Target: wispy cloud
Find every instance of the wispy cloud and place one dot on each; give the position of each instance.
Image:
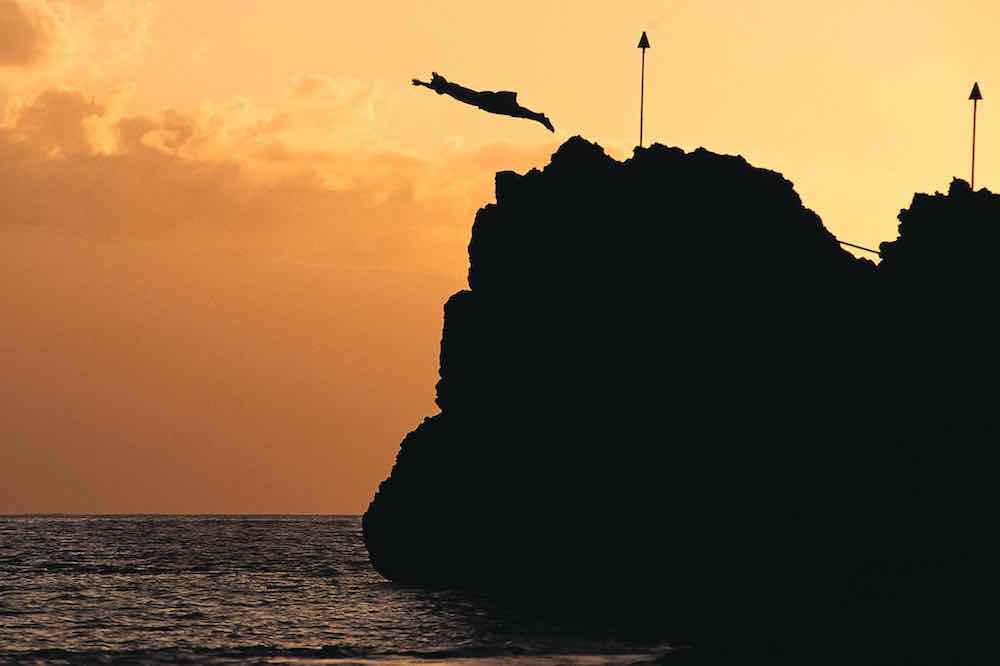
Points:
(31, 32)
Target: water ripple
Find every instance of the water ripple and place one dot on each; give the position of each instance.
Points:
(265, 589)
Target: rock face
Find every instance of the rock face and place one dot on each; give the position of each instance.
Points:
(668, 382)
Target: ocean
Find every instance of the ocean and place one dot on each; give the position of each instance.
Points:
(251, 589)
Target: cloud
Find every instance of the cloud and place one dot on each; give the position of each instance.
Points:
(31, 31)
(210, 280)
(297, 181)
(55, 124)
(46, 43)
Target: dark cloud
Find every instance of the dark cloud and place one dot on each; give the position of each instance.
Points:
(29, 31)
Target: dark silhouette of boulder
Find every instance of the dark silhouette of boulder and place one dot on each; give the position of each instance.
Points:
(670, 394)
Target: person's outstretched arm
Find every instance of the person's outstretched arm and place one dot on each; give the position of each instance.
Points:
(438, 84)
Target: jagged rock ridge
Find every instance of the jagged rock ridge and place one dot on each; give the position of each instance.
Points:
(663, 368)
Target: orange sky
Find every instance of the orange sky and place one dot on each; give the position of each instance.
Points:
(228, 227)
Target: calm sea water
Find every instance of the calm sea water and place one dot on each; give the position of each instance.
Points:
(248, 589)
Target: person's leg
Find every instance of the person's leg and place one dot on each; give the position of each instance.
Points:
(540, 118)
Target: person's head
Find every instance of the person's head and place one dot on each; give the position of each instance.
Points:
(436, 79)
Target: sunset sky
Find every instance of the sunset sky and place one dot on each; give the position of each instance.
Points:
(228, 227)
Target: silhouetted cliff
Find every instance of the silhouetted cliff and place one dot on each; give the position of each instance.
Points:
(668, 383)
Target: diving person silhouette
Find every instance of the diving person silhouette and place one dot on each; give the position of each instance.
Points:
(503, 102)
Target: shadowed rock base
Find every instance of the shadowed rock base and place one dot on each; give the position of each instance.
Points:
(672, 403)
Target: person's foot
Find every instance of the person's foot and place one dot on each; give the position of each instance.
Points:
(548, 123)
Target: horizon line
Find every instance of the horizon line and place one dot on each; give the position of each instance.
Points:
(191, 515)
